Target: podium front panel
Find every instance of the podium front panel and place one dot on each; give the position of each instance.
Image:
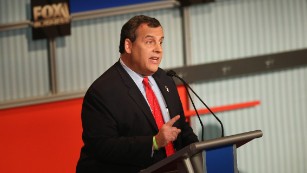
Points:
(221, 159)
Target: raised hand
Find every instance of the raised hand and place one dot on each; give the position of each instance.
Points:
(167, 132)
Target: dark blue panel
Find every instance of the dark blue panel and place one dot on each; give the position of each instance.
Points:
(88, 5)
(220, 160)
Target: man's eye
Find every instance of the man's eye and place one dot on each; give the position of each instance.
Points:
(150, 42)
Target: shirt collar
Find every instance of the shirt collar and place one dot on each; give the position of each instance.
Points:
(137, 78)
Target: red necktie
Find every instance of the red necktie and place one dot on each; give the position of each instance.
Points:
(156, 111)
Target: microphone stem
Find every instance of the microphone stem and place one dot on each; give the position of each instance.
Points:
(186, 84)
(201, 123)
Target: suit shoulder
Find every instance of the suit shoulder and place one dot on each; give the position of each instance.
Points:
(162, 75)
(109, 79)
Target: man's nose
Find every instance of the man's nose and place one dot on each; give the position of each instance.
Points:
(158, 48)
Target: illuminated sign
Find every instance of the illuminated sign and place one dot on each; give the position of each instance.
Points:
(50, 18)
(48, 15)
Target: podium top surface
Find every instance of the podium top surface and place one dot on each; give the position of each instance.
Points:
(238, 140)
(192, 149)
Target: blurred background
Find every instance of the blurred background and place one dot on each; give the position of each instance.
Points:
(245, 58)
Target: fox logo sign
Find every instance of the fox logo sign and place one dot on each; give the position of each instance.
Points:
(51, 18)
(53, 14)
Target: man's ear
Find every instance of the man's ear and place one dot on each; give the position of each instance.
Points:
(128, 45)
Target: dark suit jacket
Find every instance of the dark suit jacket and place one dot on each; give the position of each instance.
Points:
(118, 125)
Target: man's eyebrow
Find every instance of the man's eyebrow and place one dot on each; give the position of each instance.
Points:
(151, 36)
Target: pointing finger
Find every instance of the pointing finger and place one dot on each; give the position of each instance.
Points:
(173, 120)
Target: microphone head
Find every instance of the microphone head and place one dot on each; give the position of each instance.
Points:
(171, 73)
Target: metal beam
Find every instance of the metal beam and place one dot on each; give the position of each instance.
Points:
(17, 25)
(52, 65)
(244, 66)
(125, 10)
(41, 100)
(186, 35)
(102, 13)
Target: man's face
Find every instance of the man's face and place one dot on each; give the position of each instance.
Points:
(146, 51)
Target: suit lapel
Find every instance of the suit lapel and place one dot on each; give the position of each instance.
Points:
(136, 95)
(164, 88)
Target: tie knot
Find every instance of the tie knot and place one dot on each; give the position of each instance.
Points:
(145, 81)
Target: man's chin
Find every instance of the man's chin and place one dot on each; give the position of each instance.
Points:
(151, 72)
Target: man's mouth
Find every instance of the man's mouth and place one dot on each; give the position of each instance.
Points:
(155, 59)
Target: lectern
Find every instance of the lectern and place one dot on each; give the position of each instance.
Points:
(211, 156)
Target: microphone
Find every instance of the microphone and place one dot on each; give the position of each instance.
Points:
(186, 85)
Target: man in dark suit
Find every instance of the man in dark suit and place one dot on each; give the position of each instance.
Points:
(120, 132)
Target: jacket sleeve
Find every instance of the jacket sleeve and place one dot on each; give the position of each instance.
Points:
(103, 138)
